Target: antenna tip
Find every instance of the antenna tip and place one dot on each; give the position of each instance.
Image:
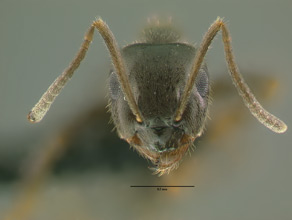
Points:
(283, 128)
(31, 117)
(279, 127)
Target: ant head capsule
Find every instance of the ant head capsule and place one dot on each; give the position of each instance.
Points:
(158, 73)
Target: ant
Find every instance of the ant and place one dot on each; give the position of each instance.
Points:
(159, 91)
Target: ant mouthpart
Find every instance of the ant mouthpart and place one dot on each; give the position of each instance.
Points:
(159, 128)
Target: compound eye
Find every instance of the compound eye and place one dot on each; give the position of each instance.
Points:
(114, 86)
(202, 82)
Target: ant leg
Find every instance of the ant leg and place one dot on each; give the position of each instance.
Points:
(42, 162)
(40, 109)
(35, 178)
(266, 118)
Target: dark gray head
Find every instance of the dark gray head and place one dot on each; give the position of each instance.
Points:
(157, 74)
(157, 103)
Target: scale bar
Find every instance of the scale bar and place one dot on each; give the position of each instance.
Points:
(160, 186)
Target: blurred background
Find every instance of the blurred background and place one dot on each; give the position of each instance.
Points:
(244, 173)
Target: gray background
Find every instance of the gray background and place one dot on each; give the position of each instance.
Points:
(248, 177)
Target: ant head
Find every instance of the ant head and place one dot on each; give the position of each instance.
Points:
(159, 99)
(157, 88)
